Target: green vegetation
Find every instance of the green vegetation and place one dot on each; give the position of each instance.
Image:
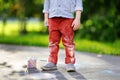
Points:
(12, 28)
(28, 39)
(100, 18)
(98, 47)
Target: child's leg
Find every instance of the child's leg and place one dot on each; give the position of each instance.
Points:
(67, 39)
(54, 40)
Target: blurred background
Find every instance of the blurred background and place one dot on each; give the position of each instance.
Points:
(21, 23)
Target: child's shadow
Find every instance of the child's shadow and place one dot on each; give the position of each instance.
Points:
(61, 76)
(77, 76)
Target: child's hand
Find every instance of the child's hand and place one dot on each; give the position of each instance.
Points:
(46, 22)
(46, 19)
(76, 24)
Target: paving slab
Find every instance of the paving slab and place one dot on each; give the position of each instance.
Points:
(13, 60)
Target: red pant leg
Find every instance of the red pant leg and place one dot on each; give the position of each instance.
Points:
(67, 40)
(54, 40)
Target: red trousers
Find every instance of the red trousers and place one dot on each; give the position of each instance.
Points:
(61, 28)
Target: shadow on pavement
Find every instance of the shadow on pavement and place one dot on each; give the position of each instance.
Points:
(59, 75)
(77, 76)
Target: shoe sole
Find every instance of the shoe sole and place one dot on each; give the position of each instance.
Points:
(48, 69)
(71, 70)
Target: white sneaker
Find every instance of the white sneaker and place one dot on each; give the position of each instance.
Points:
(49, 66)
(70, 67)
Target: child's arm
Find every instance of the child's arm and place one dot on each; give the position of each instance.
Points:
(76, 22)
(46, 19)
(46, 12)
(78, 10)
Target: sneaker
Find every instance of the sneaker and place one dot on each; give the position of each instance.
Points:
(49, 66)
(70, 67)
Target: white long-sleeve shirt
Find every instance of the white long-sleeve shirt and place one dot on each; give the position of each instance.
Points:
(62, 8)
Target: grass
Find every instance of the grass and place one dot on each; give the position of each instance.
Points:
(28, 39)
(98, 47)
(12, 36)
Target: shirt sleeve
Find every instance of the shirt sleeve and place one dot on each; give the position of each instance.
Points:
(46, 6)
(79, 5)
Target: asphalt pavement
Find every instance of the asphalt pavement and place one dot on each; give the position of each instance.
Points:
(89, 66)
